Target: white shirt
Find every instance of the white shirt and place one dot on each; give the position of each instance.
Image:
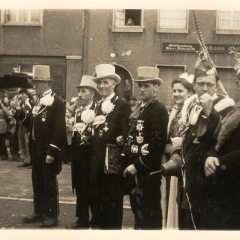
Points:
(109, 97)
(89, 106)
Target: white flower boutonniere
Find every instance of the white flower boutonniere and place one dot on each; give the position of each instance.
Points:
(88, 116)
(79, 127)
(107, 107)
(47, 100)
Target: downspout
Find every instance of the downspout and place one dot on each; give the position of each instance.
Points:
(85, 41)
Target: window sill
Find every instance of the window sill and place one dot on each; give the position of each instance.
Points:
(128, 29)
(172, 30)
(21, 24)
(228, 31)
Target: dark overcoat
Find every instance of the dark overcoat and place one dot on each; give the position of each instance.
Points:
(81, 158)
(225, 194)
(194, 151)
(49, 132)
(108, 187)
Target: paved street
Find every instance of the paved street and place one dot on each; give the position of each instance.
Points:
(16, 198)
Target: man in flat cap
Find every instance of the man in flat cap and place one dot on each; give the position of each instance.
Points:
(106, 183)
(82, 149)
(148, 132)
(47, 127)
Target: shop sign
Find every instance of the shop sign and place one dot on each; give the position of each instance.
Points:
(186, 47)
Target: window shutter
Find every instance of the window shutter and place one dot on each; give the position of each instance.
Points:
(119, 17)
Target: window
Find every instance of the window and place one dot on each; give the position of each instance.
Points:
(228, 22)
(173, 21)
(22, 17)
(127, 20)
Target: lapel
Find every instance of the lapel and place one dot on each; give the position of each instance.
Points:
(99, 108)
(43, 107)
(78, 118)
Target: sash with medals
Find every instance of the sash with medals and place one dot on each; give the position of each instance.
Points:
(129, 148)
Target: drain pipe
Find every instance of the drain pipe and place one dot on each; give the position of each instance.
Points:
(85, 41)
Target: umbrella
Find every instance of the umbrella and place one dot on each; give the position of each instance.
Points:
(15, 80)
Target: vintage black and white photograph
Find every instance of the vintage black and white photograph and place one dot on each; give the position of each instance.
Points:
(119, 116)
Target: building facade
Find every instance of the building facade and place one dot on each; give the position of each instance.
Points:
(73, 42)
(166, 39)
(52, 37)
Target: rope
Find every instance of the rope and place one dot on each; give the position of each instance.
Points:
(205, 51)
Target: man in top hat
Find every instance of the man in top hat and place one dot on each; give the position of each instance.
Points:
(47, 127)
(148, 131)
(202, 115)
(106, 183)
(82, 148)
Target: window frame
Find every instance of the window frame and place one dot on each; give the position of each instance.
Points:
(127, 28)
(231, 31)
(172, 29)
(25, 24)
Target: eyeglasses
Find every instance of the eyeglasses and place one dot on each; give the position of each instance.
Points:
(202, 84)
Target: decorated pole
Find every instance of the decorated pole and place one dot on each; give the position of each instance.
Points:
(205, 51)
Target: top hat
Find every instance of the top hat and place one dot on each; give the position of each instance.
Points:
(148, 74)
(41, 73)
(106, 71)
(87, 82)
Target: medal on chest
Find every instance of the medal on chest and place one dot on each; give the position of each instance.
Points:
(140, 138)
(134, 149)
(44, 115)
(139, 126)
(105, 127)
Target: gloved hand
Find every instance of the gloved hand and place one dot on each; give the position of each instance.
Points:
(144, 150)
(177, 143)
(130, 170)
(211, 165)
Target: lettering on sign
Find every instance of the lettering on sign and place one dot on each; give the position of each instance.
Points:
(185, 47)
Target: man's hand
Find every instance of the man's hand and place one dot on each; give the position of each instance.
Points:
(49, 159)
(206, 103)
(130, 170)
(211, 165)
(144, 149)
(176, 143)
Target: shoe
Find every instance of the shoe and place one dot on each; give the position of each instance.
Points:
(24, 165)
(34, 218)
(5, 158)
(49, 222)
(76, 225)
